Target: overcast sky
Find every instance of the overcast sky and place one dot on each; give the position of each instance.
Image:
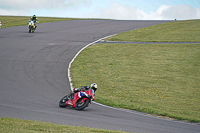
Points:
(111, 9)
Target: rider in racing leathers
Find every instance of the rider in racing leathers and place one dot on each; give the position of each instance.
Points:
(34, 19)
(75, 90)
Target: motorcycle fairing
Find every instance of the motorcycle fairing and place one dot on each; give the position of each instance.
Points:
(82, 94)
(85, 95)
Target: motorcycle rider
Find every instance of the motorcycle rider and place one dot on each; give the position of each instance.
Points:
(34, 19)
(75, 90)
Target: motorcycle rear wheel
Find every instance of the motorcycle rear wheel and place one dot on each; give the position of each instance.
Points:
(81, 106)
(63, 101)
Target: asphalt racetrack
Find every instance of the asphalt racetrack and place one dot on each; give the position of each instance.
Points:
(33, 77)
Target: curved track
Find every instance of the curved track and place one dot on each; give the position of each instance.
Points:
(33, 77)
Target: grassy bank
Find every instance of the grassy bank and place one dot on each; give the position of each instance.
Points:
(10, 125)
(11, 21)
(160, 79)
(177, 31)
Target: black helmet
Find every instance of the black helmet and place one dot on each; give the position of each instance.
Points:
(34, 16)
(94, 86)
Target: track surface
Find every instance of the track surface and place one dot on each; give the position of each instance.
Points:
(33, 77)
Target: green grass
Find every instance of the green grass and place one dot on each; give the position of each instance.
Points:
(177, 31)
(10, 125)
(162, 79)
(11, 21)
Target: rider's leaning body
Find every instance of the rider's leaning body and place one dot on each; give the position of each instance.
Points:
(75, 90)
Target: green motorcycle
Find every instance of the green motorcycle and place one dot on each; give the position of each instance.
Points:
(31, 26)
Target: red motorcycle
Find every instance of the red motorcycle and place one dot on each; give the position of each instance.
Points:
(80, 100)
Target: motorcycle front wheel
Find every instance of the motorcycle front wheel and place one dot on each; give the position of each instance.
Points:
(63, 101)
(30, 29)
(81, 106)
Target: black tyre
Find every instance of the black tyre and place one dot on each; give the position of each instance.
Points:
(30, 29)
(81, 106)
(63, 101)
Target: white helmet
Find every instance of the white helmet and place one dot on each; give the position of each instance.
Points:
(93, 86)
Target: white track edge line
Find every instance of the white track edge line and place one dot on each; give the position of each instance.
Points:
(69, 77)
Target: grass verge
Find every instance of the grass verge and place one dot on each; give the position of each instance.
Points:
(11, 21)
(9, 125)
(177, 31)
(160, 79)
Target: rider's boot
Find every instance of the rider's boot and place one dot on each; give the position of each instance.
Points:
(71, 95)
